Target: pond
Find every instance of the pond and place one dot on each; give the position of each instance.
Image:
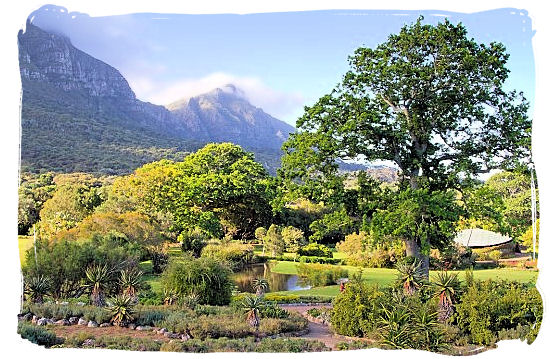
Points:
(277, 281)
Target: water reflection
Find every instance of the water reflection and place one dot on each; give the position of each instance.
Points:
(277, 281)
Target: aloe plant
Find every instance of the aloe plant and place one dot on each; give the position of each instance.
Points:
(122, 308)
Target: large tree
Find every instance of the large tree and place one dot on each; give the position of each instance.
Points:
(219, 189)
(430, 100)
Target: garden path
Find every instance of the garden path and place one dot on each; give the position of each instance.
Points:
(317, 331)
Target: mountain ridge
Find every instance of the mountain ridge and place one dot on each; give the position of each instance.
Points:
(62, 84)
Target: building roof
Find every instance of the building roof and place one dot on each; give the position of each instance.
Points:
(476, 237)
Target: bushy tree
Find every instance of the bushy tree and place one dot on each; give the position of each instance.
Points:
(220, 183)
(273, 241)
(294, 239)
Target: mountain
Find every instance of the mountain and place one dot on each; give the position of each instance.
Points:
(225, 114)
(80, 114)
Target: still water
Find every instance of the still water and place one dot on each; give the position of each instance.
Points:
(277, 281)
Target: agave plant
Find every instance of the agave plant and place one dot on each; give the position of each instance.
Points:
(260, 285)
(170, 296)
(445, 287)
(36, 288)
(122, 308)
(252, 306)
(410, 276)
(191, 300)
(98, 278)
(130, 282)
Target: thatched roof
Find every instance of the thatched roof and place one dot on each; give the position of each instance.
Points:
(476, 237)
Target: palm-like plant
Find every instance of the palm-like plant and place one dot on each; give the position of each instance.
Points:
(130, 282)
(98, 278)
(260, 285)
(410, 276)
(445, 287)
(122, 308)
(252, 306)
(36, 288)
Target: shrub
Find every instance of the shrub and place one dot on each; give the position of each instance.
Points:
(355, 344)
(235, 255)
(282, 345)
(322, 260)
(127, 343)
(489, 307)
(37, 335)
(192, 241)
(176, 321)
(272, 310)
(453, 256)
(362, 250)
(356, 310)
(204, 277)
(318, 275)
(316, 250)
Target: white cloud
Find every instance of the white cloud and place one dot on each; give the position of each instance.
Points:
(282, 105)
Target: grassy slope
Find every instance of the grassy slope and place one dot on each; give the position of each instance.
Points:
(25, 242)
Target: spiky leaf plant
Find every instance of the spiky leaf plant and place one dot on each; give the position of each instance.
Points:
(252, 305)
(130, 282)
(260, 285)
(446, 285)
(122, 308)
(98, 278)
(410, 276)
(36, 288)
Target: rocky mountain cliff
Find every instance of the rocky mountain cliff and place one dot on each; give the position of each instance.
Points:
(80, 114)
(225, 114)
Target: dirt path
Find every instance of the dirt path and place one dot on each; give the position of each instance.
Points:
(320, 332)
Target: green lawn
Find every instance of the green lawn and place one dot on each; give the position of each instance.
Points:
(384, 276)
(25, 242)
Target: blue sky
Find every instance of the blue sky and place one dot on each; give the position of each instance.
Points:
(282, 61)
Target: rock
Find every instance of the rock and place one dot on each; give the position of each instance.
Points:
(92, 324)
(73, 320)
(34, 319)
(143, 328)
(103, 325)
(62, 322)
(88, 343)
(185, 337)
(64, 303)
(162, 331)
(81, 321)
(27, 317)
(42, 321)
(50, 321)
(131, 326)
(80, 304)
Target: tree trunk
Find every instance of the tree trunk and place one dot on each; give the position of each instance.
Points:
(412, 249)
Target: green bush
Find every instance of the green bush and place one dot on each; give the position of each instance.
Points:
(62, 311)
(315, 250)
(287, 345)
(204, 277)
(243, 345)
(489, 307)
(235, 255)
(127, 343)
(357, 309)
(272, 310)
(318, 275)
(322, 260)
(37, 335)
(151, 315)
